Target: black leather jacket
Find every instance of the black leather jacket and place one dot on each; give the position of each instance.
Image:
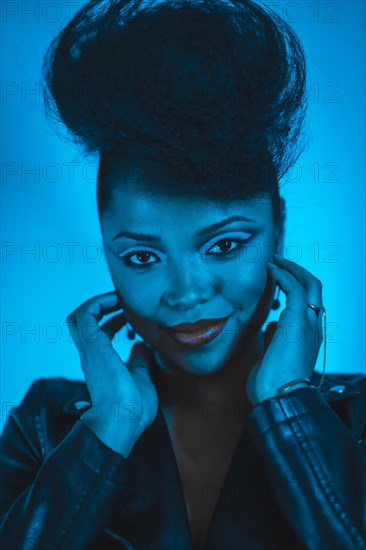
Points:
(297, 478)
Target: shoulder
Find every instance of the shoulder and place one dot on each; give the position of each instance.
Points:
(53, 398)
(53, 392)
(346, 394)
(347, 384)
(49, 409)
(350, 378)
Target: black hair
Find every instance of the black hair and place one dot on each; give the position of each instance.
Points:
(202, 97)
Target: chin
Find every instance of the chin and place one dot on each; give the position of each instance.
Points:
(200, 361)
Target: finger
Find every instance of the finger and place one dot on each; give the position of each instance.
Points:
(86, 317)
(140, 359)
(294, 290)
(269, 333)
(98, 306)
(113, 325)
(311, 283)
(106, 305)
(308, 280)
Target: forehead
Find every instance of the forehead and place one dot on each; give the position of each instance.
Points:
(134, 204)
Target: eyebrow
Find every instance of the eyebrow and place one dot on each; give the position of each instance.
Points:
(200, 232)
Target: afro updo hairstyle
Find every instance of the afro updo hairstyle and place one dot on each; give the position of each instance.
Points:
(198, 97)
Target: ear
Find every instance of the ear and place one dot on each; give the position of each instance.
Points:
(280, 228)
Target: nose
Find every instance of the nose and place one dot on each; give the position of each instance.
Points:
(188, 286)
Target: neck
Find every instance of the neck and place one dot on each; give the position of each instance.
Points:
(182, 391)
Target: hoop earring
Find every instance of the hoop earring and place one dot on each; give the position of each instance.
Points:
(276, 303)
(131, 334)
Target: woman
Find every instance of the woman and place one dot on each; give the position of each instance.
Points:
(213, 434)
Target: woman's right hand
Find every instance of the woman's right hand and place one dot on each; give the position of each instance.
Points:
(123, 396)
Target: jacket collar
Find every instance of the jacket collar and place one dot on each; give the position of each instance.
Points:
(157, 493)
(332, 389)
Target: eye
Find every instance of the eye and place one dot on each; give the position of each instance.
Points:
(142, 256)
(225, 246)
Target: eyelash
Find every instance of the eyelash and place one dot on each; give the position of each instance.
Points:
(126, 258)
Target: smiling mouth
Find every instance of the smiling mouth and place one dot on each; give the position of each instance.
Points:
(197, 334)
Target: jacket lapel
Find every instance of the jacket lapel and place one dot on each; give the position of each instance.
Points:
(155, 515)
(333, 389)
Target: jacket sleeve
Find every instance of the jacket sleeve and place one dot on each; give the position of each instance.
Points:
(46, 503)
(316, 467)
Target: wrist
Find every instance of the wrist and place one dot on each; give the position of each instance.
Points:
(119, 437)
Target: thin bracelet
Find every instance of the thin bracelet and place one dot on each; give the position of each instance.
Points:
(288, 385)
(285, 387)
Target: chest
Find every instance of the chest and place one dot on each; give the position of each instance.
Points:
(203, 459)
(201, 488)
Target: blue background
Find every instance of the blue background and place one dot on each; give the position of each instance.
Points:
(56, 204)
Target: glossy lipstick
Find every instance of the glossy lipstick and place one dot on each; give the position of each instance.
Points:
(197, 334)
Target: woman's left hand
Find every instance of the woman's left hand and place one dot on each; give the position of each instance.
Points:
(294, 347)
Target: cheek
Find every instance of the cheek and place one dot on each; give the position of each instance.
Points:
(245, 281)
(137, 296)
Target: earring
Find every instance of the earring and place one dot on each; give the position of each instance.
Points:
(276, 303)
(130, 332)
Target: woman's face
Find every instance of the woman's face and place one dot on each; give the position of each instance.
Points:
(178, 260)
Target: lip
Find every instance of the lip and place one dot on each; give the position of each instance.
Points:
(193, 328)
(199, 333)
